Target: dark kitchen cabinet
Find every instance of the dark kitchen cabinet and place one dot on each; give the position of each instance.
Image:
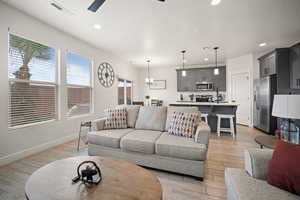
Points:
(295, 66)
(220, 80)
(187, 83)
(203, 75)
(194, 75)
(268, 65)
(277, 63)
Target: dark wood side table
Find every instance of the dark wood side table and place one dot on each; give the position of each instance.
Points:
(266, 141)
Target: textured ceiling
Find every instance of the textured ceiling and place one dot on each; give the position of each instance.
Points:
(137, 30)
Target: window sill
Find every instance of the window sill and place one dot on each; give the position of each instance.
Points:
(80, 116)
(30, 125)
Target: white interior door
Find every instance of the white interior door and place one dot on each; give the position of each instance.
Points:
(240, 93)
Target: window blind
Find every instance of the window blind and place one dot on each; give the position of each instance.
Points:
(32, 82)
(79, 85)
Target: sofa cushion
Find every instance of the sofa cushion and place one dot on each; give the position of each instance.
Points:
(132, 114)
(172, 109)
(241, 186)
(151, 118)
(180, 147)
(284, 168)
(142, 141)
(107, 138)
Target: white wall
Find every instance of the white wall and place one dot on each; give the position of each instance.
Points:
(241, 65)
(160, 73)
(24, 141)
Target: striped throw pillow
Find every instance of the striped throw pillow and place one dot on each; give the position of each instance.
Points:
(183, 124)
(115, 118)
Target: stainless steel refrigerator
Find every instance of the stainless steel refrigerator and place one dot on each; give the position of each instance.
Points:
(266, 88)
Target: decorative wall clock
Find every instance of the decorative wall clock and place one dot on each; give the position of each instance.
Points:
(106, 74)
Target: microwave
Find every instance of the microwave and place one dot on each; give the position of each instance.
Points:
(204, 86)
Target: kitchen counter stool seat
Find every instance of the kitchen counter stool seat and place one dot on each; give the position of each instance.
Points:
(205, 116)
(221, 129)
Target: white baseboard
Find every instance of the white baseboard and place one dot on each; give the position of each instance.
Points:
(36, 149)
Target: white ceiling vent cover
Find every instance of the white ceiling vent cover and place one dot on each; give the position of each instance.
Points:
(58, 5)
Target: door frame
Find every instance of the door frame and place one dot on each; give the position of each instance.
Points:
(249, 93)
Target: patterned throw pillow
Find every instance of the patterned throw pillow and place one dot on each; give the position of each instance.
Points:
(115, 118)
(183, 124)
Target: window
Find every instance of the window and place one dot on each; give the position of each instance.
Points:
(78, 85)
(32, 82)
(128, 92)
(124, 92)
(121, 91)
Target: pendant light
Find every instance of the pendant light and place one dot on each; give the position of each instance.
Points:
(183, 72)
(216, 70)
(148, 79)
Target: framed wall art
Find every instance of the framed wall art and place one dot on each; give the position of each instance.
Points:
(158, 85)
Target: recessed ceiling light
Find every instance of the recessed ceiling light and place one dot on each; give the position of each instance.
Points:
(206, 59)
(262, 44)
(215, 2)
(97, 26)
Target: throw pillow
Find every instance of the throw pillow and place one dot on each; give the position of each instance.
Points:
(183, 124)
(115, 118)
(172, 109)
(284, 168)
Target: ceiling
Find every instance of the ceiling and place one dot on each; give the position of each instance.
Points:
(137, 30)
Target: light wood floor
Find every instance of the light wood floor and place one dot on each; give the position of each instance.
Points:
(223, 152)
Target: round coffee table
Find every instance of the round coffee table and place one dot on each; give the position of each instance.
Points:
(120, 180)
(266, 141)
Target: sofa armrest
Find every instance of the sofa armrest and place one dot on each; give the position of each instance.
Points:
(257, 162)
(98, 124)
(202, 133)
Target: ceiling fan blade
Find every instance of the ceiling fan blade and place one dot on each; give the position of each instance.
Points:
(96, 5)
(162, 0)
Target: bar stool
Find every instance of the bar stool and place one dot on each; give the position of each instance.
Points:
(231, 129)
(205, 116)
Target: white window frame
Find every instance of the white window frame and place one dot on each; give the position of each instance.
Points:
(80, 86)
(55, 83)
(125, 91)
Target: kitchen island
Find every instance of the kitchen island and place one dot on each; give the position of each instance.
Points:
(212, 109)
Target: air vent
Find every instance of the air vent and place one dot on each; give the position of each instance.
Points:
(56, 6)
(59, 6)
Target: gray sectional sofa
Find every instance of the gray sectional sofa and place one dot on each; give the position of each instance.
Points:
(146, 141)
(250, 183)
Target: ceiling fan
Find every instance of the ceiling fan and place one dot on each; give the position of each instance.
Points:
(98, 3)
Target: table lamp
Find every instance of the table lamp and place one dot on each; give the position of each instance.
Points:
(287, 107)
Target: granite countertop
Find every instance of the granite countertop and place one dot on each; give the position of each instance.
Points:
(203, 103)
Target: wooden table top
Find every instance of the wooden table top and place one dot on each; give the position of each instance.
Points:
(120, 180)
(267, 141)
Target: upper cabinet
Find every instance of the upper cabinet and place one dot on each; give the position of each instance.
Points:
(194, 75)
(186, 83)
(220, 80)
(295, 66)
(277, 63)
(268, 65)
